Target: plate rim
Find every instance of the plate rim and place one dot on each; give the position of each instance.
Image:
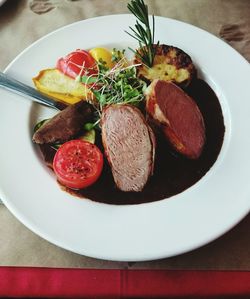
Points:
(36, 230)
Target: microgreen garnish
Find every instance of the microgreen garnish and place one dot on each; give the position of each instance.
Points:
(88, 79)
(117, 54)
(118, 85)
(142, 32)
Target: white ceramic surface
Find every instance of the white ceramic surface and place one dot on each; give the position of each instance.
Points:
(130, 232)
(2, 2)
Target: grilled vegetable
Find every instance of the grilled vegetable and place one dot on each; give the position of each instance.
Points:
(88, 136)
(102, 54)
(170, 64)
(55, 84)
(78, 164)
(77, 63)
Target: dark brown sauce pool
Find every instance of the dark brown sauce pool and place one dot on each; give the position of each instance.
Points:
(172, 173)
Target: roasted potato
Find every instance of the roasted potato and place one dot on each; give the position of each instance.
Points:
(170, 64)
(55, 84)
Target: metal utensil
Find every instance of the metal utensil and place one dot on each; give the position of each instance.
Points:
(20, 88)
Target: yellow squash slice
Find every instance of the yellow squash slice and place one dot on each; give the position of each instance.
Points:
(55, 84)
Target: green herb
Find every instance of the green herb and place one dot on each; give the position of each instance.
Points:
(55, 146)
(88, 79)
(88, 136)
(40, 124)
(118, 85)
(142, 32)
(117, 55)
(88, 126)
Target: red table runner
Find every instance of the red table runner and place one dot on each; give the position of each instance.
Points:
(91, 283)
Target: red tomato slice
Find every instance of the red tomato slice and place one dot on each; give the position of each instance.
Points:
(78, 164)
(79, 62)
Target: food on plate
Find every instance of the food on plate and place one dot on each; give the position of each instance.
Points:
(140, 113)
(89, 136)
(178, 116)
(55, 84)
(155, 61)
(170, 64)
(118, 85)
(78, 164)
(129, 145)
(65, 125)
(143, 33)
(77, 63)
(102, 54)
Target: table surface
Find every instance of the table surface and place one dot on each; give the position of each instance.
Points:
(226, 19)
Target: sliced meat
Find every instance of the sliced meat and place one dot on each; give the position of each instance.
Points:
(178, 116)
(129, 145)
(64, 125)
(153, 140)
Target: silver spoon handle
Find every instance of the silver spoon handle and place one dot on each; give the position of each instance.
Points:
(20, 88)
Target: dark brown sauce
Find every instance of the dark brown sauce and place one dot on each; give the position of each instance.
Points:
(172, 173)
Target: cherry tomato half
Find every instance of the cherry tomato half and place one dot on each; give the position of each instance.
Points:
(79, 62)
(78, 164)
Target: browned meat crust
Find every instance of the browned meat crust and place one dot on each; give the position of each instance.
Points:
(64, 125)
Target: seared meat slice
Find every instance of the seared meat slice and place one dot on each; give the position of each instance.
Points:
(178, 116)
(64, 125)
(129, 145)
(170, 64)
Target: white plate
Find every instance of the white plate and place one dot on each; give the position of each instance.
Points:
(130, 232)
(2, 2)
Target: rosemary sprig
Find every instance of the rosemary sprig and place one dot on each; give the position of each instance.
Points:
(142, 32)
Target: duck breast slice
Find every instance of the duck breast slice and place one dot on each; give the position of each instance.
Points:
(178, 116)
(129, 145)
